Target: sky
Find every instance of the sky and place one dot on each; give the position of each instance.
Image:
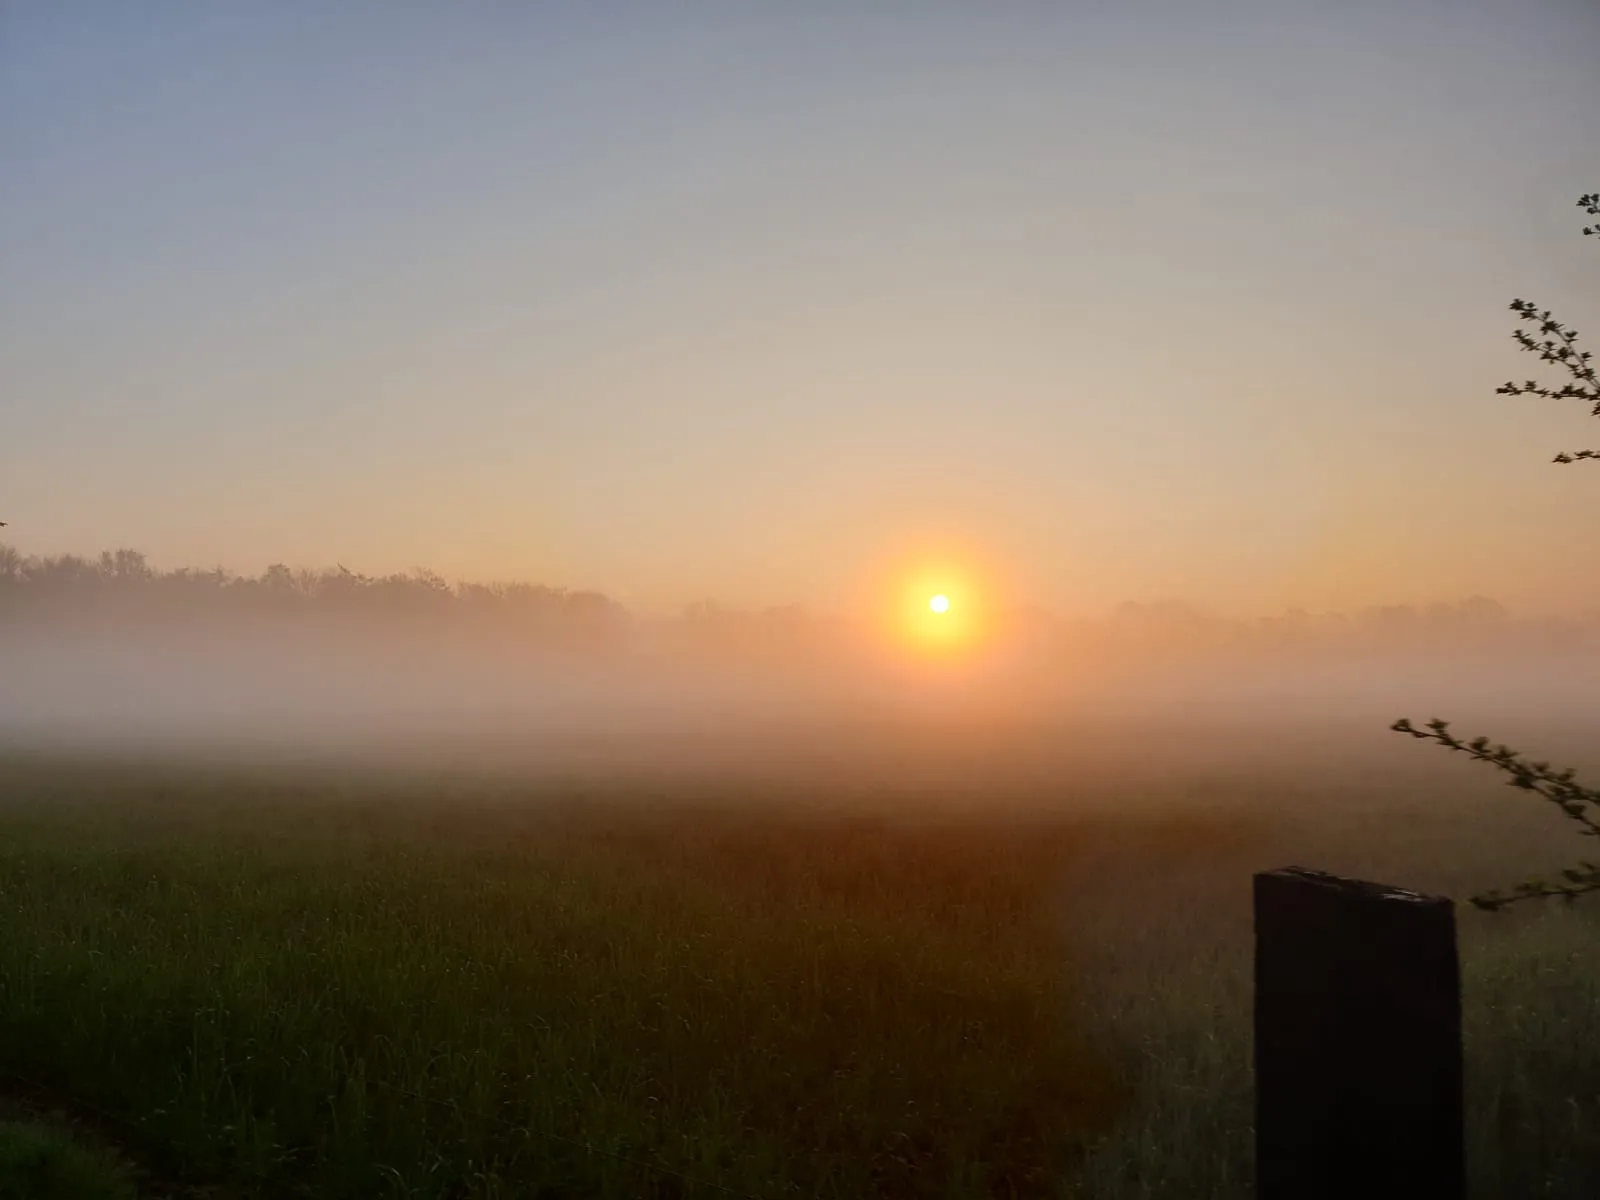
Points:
(1092, 302)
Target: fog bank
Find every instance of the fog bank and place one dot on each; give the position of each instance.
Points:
(786, 699)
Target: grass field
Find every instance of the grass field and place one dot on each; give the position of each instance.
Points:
(37, 1161)
(320, 985)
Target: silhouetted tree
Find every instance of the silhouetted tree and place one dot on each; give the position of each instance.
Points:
(122, 582)
(1555, 344)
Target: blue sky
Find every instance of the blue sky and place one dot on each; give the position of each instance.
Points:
(749, 300)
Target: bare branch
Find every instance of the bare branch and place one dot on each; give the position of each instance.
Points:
(1557, 344)
(1561, 788)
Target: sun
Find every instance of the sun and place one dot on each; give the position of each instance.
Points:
(934, 605)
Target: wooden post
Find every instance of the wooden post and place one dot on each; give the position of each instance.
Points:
(1357, 1041)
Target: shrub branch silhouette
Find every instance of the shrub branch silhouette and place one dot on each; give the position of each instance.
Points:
(1554, 343)
(1561, 788)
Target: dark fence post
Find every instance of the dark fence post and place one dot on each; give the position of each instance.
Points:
(1357, 1041)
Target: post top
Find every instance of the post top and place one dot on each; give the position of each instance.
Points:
(1353, 888)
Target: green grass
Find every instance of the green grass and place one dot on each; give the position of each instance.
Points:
(38, 1163)
(320, 987)
(391, 998)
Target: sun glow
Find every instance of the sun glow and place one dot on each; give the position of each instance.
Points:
(936, 604)
(938, 611)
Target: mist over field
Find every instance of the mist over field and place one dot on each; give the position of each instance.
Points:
(410, 670)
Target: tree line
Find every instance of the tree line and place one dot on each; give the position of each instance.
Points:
(124, 582)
